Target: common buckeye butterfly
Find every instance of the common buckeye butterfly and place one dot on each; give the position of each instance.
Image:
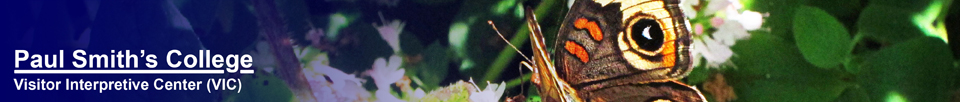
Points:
(615, 50)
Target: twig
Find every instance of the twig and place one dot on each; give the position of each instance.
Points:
(289, 69)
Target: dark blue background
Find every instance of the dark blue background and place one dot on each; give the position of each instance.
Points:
(45, 26)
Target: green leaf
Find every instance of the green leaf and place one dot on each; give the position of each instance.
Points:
(887, 24)
(769, 69)
(410, 44)
(433, 68)
(822, 39)
(698, 75)
(918, 69)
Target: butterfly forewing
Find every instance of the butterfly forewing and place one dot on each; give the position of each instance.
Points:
(605, 43)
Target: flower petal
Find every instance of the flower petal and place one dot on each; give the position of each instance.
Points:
(716, 5)
(499, 90)
(390, 31)
(383, 95)
(750, 20)
(698, 48)
(728, 33)
(718, 53)
(418, 93)
(395, 62)
(687, 7)
(386, 73)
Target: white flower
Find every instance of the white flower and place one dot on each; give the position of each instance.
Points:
(687, 7)
(385, 73)
(729, 32)
(390, 31)
(418, 93)
(716, 48)
(715, 52)
(491, 93)
(318, 73)
(732, 25)
(716, 5)
(750, 20)
(328, 83)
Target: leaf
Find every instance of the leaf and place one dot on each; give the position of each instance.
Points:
(432, 70)
(887, 25)
(410, 44)
(918, 69)
(769, 69)
(698, 75)
(822, 39)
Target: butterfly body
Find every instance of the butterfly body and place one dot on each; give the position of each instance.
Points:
(615, 50)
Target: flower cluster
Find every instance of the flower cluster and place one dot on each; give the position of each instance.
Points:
(332, 84)
(731, 22)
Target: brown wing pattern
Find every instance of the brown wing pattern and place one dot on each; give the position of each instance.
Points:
(607, 49)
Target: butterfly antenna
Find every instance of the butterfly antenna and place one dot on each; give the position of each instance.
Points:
(508, 41)
(515, 49)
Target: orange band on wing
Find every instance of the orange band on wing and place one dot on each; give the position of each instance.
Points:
(577, 50)
(669, 48)
(592, 27)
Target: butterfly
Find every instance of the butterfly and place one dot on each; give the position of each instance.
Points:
(615, 50)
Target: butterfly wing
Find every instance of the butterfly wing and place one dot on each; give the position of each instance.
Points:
(607, 46)
(618, 43)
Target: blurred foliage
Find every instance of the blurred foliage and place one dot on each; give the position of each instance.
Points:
(806, 50)
(770, 68)
(431, 70)
(885, 55)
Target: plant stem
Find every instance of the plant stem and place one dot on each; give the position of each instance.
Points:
(507, 54)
